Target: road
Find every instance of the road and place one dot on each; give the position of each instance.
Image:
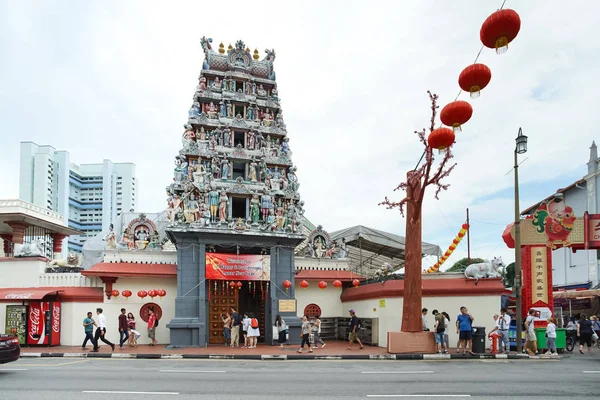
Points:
(108, 379)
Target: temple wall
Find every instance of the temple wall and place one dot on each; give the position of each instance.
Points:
(21, 272)
(327, 299)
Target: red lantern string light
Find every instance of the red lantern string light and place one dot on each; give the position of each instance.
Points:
(337, 283)
(142, 293)
(303, 284)
(287, 285)
(152, 293)
(499, 29)
(126, 293)
(322, 285)
(474, 79)
(456, 114)
(441, 138)
(262, 290)
(463, 230)
(162, 293)
(238, 285)
(115, 293)
(232, 284)
(355, 283)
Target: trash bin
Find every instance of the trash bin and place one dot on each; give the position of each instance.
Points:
(478, 339)
(561, 338)
(540, 335)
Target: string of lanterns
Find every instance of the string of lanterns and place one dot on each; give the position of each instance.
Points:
(322, 284)
(497, 31)
(451, 248)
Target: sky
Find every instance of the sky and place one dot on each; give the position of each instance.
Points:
(114, 80)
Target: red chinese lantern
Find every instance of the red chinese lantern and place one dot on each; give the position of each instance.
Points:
(474, 78)
(455, 242)
(287, 284)
(142, 293)
(238, 285)
(355, 283)
(499, 29)
(232, 284)
(441, 138)
(162, 293)
(322, 285)
(303, 284)
(465, 226)
(115, 293)
(456, 114)
(152, 293)
(337, 283)
(447, 254)
(126, 293)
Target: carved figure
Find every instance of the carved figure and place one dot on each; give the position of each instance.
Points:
(223, 203)
(252, 171)
(257, 113)
(255, 209)
(212, 111)
(250, 112)
(202, 134)
(213, 201)
(274, 94)
(267, 118)
(266, 203)
(485, 269)
(205, 216)
(188, 137)
(261, 91)
(285, 147)
(212, 143)
(229, 111)
(110, 238)
(319, 247)
(225, 168)
(72, 260)
(248, 87)
(202, 84)
(180, 170)
(251, 140)
(33, 249)
(223, 108)
(227, 137)
(216, 84)
(194, 111)
(293, 179)
(343, 252)
(192, 209)
(253, 87)
(127, 240)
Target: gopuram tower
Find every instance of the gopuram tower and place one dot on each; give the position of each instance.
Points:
(234, 209)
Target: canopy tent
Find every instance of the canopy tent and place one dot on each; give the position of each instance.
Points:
(577, 294)
(369, 249)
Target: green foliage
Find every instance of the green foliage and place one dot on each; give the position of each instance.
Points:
(508, 276)
(461, 265)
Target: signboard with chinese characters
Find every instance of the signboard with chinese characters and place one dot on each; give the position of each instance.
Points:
(287, 306)
(539, 274)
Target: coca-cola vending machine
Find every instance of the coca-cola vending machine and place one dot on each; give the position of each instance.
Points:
(43, 323)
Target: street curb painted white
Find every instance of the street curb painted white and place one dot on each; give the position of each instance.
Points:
(328, 358)
(501, 356)
(382, 357)
(31, 355)
(436, 356)
(75, 355)
(171, 356)
(123, 355)
(221, 357)
(273, 357)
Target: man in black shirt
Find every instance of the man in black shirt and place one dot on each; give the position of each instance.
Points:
(236, 321)
(353, 330)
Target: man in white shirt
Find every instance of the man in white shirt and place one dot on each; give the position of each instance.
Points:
(531, 339)
(424, 320)
(502, 326)
(101, 331)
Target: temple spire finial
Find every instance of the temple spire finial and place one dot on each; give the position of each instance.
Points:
(593, 151)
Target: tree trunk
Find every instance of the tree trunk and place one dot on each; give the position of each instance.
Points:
(411, 313)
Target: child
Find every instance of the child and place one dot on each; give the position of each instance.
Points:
(551, 338)
(133, 334)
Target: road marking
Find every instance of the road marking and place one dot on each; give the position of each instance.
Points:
(191, 371)
(70, 362)
(418, 395)
(118, 392)
(397, 372)
(13, 369)
(591, 372)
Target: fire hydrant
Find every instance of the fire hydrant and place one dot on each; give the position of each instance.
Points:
(494, 337)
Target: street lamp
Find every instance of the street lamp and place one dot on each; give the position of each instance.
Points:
(520, 148)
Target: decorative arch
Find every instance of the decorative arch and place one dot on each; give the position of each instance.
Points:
(144, 311)
(312, 309)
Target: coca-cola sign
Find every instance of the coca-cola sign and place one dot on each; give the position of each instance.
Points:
(35, 322)
(18, 296)
(56, 318)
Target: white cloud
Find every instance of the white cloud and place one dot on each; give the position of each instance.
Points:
(111, 80)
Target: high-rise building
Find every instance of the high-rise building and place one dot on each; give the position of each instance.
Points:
(89, 196)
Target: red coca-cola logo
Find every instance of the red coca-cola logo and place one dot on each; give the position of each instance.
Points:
(56, 319)
(34, 321)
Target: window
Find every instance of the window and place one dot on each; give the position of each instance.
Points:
(239, 138)
(239, 170)
(238, 208)
(312, 309)
(238, 109)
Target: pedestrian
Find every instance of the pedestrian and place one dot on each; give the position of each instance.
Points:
(253, 332)
(464, 329)
(281, 330)
(123, 328)
(245, 326)
(439, 328)
(353, 328)
(152, 324)
(502, 326)
(317, 333)
(304, 334)
(551, 337)
(133, 334)
(101, 331)
(530, 338)
(226, 328)
(584, 333)
(235, 328)
(424, 320)
(88, 328)
(446, 332)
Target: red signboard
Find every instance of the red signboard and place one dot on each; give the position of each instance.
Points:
(230, 267)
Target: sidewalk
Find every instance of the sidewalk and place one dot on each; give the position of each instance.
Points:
(334, 350)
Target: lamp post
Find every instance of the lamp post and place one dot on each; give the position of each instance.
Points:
(520, 148)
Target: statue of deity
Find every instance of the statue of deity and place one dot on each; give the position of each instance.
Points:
(222, 108)
(250, 113)
(266, 203)
(198, 175)
(212, 111)
(257, 113)
(110, 238)
(261, 91)
(223, 203)
(194, 111)
(213, 201)
(252, 172)
(293, 179)
(212, 143)
(214, 167)
(173, 208)
(225, 168)
(255, 209)
(251, 140)
(202, 84)
(188, 137)
(253, 87)
(192, 209)
(127, 240)
(216, 84)
(180, 170)
(284, 147)
(248, 88)
(267, 118)
(227, 137)
(262, 167)
(260, 140)
(274, 95)
(284, 182)
(279, 217)
(204, 214)
(229, 111)
(202, 134)
(343, 251)
(279, 120)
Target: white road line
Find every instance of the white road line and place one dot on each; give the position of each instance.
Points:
(13, 369)
(591, 372)
(117, 392)
(191, 371)
(418, 395)
(397, 372)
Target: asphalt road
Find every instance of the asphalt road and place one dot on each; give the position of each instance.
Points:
(107, 379)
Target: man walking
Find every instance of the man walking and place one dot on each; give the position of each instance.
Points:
(235, 328)
(353, 328)
(88, 328)
(502, 326)
(101, 331)
(152, 326)
(531, 339)
(123, 328)
(424, 320)
(439, 330)
(464, 328)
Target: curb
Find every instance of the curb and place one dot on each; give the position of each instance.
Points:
(285, 357)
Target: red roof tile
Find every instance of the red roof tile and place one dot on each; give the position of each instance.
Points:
(137, 270)
(321, 275)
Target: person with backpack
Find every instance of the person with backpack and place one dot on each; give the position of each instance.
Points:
(281, 330)
(235, 328)
(353, 328)
(253, 332)
(305, 335)
(439, 329)
(152, 324)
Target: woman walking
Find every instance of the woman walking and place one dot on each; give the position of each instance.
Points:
(226, 328)
(281, 330)
(584, 333)
(245, 326)
(253, 332)
(305, 335)
(317, 339)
